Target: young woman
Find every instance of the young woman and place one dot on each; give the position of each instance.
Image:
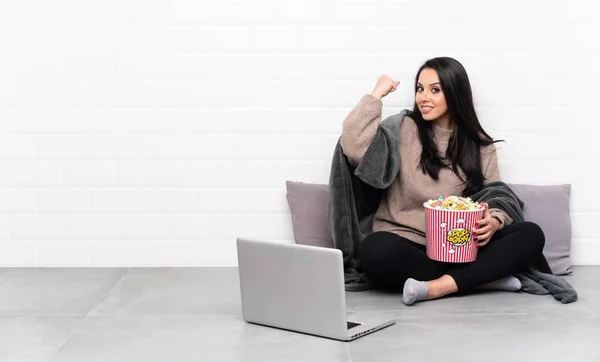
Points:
(443, 151)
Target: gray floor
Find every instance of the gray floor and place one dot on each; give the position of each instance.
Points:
(194, 314)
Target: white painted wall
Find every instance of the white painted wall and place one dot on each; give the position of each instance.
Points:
(155, 132)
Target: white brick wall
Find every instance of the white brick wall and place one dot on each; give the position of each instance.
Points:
(155, 132)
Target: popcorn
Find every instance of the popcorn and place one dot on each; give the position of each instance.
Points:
(454, 203)
(449, 221)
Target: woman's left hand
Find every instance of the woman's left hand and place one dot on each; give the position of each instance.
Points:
(486, 227)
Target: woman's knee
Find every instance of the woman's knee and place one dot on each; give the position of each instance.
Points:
(535, 235)
(376, 248)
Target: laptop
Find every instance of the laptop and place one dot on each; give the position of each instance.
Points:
(299, 288)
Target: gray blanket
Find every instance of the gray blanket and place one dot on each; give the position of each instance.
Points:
(355, 194)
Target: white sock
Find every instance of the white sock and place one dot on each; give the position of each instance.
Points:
(509, 284)
(414, 291)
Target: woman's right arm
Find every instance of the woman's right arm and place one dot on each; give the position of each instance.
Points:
(360, 125)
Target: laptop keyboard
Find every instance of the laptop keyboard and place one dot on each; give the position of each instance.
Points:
(352, 325)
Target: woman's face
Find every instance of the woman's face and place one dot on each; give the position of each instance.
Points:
(430, 98)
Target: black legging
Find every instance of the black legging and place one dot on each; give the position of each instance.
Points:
(389, 259)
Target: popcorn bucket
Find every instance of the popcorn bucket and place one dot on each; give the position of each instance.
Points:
(449, 234)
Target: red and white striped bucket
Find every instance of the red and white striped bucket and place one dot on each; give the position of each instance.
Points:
(449, 234)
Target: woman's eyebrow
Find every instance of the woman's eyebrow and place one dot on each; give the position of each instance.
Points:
(419, 84)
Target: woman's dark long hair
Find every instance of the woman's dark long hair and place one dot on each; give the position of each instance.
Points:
(468, 136)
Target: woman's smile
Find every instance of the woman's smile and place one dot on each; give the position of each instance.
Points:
(426, 109)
